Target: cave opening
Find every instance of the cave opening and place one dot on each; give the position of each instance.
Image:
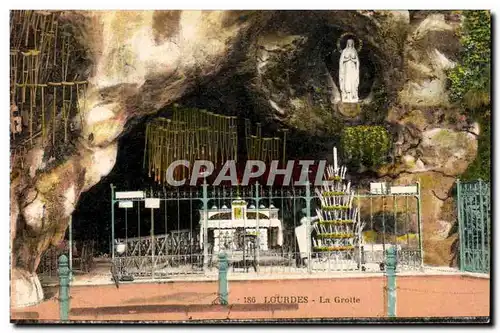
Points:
(227, 93)
(91, 220)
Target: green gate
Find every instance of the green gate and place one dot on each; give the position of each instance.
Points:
(474, 214)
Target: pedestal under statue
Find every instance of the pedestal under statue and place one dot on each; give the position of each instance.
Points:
(349, 73)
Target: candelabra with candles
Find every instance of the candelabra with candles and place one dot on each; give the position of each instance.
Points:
(337, 233)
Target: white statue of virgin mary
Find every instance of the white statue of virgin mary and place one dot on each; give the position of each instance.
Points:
(349, 73)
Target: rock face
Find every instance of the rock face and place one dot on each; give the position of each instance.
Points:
(430, 50)
(434, 143)
(143, 61)
(447, 151)
(26, 288)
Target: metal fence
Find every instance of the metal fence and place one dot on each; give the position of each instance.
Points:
(182, 217)
(474, 216)
(159, 266)
(82, 257)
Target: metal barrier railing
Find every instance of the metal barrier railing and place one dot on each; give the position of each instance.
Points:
(474, 220)
(83, 258)
(268, 262)
(159, 266)
(392, 257)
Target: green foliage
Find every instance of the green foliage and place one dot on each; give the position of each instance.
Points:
(376, 111)
(470, 85)
(470, 79)
(480, 168)
(365, 145)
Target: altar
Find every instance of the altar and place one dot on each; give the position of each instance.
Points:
(229, 228)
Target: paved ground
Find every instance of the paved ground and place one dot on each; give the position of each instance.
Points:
(100, 274)
(445, 295)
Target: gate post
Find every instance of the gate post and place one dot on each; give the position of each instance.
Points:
(153, 246)
(482, 265)
(71, 247)
(391, 280)
(205, 224)
(308, 225)
(419, 222)
(223, 282)
(257, 250)
(460, 227)
(64, 273)
(112, 222)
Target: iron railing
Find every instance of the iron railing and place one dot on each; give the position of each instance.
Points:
(269, 262)
(390, 219)
(474, 218)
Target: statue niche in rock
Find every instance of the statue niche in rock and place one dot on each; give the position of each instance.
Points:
(349, 73)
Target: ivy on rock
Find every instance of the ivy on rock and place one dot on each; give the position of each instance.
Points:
(470, 82)
(470, 79)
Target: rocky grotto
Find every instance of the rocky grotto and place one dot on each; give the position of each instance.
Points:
(278, 67)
